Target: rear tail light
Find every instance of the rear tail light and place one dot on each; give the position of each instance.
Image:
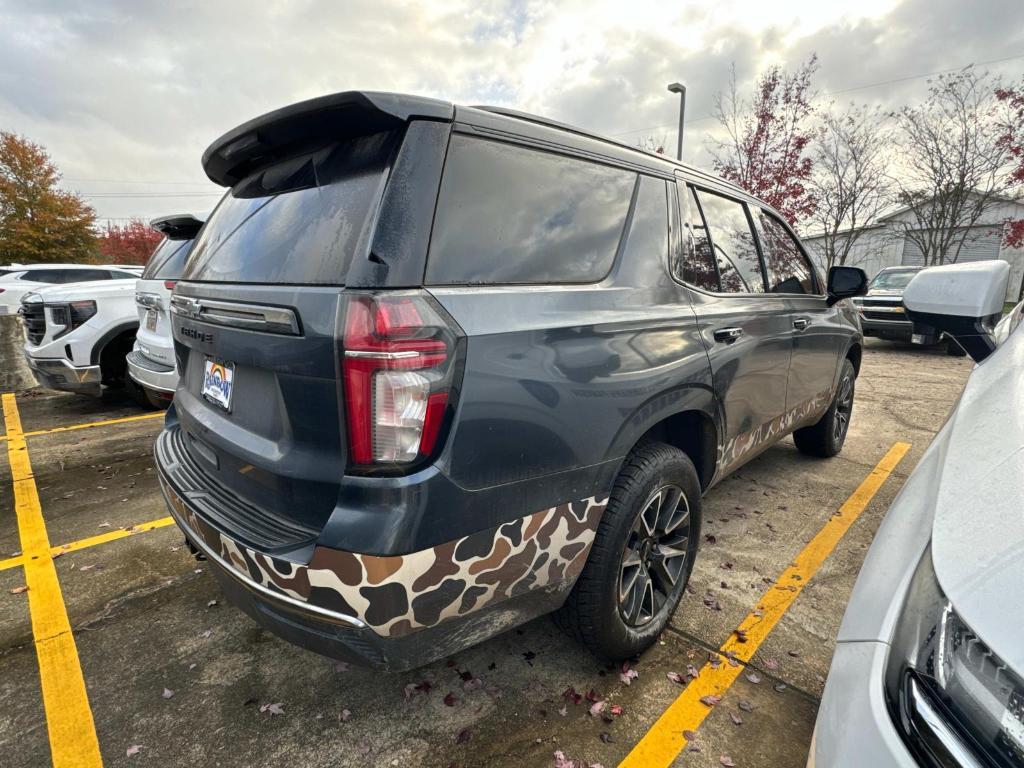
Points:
(398, 370)
(169, 284)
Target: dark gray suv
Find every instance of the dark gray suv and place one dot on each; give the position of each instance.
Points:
(445, 369)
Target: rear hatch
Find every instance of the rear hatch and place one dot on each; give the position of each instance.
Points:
(153, 289)
(258, 315)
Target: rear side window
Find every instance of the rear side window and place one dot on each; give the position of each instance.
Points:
(85, 275)
(786, 265)
(507, 214)
(168, 260)
(299, 221)
(42, 276)
(697, 265)
(732, 241)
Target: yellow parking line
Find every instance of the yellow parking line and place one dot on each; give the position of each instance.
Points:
(90, 425)
(92, 541)
(73, 742)
(664, 741)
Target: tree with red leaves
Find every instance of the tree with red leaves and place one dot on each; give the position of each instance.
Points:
(131, 243)
(766, 149)
(1011, 138)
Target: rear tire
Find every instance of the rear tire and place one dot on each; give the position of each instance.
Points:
(825, 438)
(642, 556)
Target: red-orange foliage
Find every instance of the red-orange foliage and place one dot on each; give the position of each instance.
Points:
(130, 243)
(1012, 138)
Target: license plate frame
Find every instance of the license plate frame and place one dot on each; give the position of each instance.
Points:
(218, 383)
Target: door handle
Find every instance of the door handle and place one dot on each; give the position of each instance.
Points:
(728, 335)
(800, 323)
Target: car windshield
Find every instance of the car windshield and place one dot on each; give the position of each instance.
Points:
(892, 280)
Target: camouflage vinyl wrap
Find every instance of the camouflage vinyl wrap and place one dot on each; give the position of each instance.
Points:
(397, 595)
(739, 448)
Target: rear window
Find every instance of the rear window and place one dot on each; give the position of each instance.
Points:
(168, 260)
(507, 214)
(299, 221)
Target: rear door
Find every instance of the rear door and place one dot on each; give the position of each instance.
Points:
(820, 337)
(256, 320)
(746, 330)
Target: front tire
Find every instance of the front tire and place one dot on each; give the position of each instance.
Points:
(825, 438)
(642, 555)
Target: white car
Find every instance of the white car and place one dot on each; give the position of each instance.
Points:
(151, 363)
(17, 280)
(77, 336)
(929, 665)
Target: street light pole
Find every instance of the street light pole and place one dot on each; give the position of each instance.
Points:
(681, 90)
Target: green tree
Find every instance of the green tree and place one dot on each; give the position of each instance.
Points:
(38, 221)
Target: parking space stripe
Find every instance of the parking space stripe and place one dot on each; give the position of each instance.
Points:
(665, 740)
(92, 541)
(69, 721)
(89, 425)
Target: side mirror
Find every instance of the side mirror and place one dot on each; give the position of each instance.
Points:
(845, 283)
(962, 300)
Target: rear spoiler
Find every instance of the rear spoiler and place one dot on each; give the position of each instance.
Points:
(182, 226)
(287, 131)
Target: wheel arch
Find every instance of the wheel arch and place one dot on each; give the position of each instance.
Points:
(854, 354)
(684, 418)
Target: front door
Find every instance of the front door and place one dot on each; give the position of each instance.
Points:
(818, 334)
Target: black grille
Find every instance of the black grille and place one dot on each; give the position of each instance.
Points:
(884, 315)
(34, 317)
(251, 525)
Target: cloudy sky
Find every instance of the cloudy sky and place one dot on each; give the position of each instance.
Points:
(126, 95)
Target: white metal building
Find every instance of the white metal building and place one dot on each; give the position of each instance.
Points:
(885, 244)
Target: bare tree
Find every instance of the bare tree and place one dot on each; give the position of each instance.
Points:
(954, 164)
(653, 144)
(765, 149)
(850, 181)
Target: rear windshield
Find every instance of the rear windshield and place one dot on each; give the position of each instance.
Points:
(168, 260)
(299, 221)
(508, 214)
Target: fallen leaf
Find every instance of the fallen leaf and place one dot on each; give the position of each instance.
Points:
(754, 678)
(472, 684)
(563, 711)
(597, 708)
(594, 696)
(736, 719)
(607, 737)
(19, 590)
(341, 666)
(345, 715)
(692, 672)
(529, 656)
(710, 700)
(689, 735)
(710, 538)
(103, 525)
(87, 567)
(570, 694)
(206, 633)
(191, 666)
(726, 566)
(675, 677)
(462, 736)
(628, 674)
(409, 690)
(780, 687)
(794, 654)
(745, 705)
(726, 761)
(273, 709)
(616, 709)
(771, 664)
(449, 699)
(741, 635)
(168, 693)
(134, 749)
(211, 604)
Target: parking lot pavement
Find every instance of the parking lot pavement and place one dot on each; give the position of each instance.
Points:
(174, 676)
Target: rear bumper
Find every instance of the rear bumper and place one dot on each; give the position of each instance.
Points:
(151, 374)
(58, 373)
(386, 611)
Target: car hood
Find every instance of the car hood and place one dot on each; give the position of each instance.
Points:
(94, 289)
(978, 529)
(885, 292)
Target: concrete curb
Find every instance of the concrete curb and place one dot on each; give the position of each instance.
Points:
(14, 371)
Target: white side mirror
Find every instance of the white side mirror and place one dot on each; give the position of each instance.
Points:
(962, 300)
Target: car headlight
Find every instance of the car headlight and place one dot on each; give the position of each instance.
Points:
(955, 701)
(71, 316)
